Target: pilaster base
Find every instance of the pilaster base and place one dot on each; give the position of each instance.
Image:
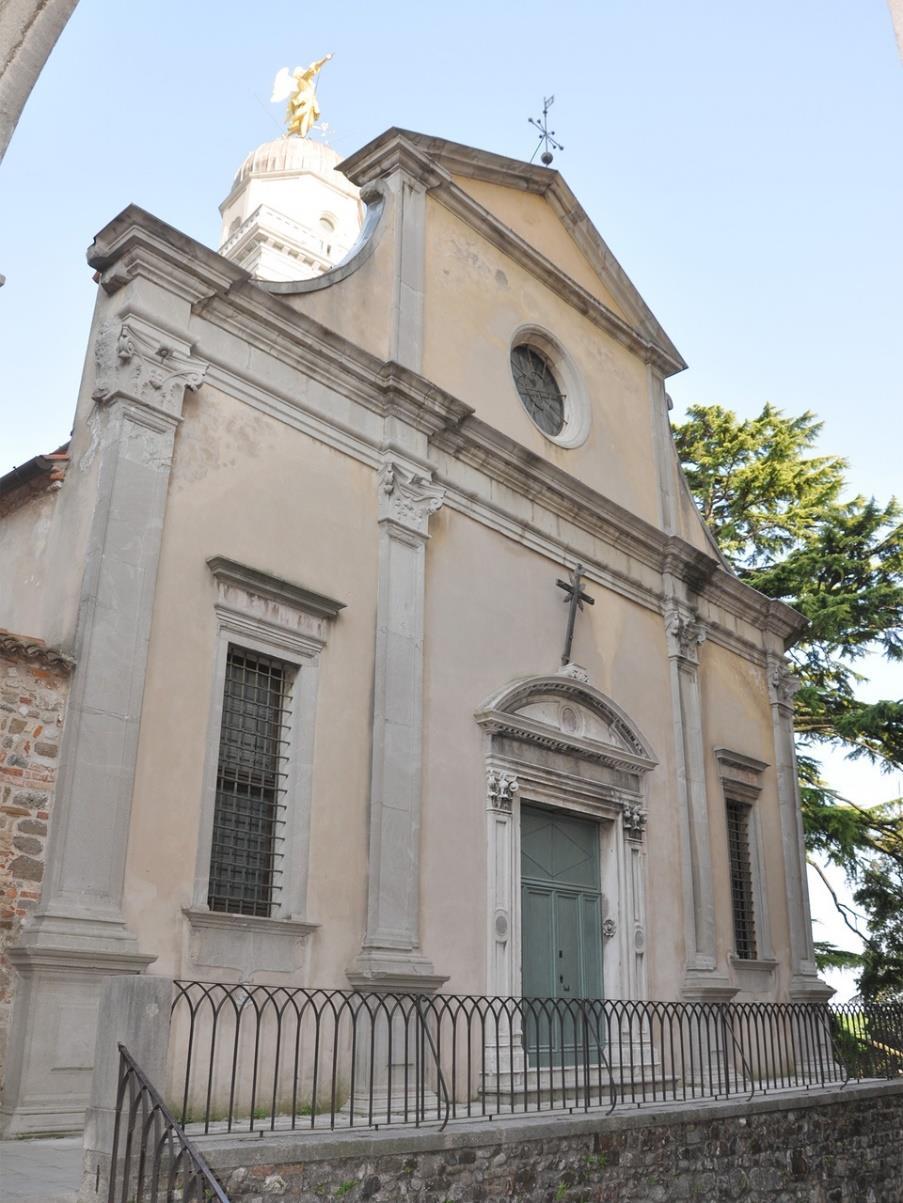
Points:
(393, 971)
(707, 987)
(806, 988)
(53, 1033)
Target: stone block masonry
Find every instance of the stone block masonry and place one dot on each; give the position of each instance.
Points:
(834, 1146)
(34, 684)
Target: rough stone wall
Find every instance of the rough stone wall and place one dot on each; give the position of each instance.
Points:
(34, 684)
(846, 1151)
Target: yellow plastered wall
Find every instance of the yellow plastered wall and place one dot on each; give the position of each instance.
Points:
(256, 491)
(476, 300)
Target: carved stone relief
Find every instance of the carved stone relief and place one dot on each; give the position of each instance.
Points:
(407, 498)
(685, 632)
(501, 790)
(140, 365)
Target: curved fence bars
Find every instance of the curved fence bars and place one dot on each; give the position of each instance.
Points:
(250, 1058)
(153, 1160)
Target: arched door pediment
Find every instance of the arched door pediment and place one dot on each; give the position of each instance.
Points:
(569, 716)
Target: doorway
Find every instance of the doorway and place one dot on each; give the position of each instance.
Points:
(561, 926)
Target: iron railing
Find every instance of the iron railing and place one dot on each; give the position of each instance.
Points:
(266, 1057)
(153, 1161)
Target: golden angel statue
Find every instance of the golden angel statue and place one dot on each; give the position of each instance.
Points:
(299, 88)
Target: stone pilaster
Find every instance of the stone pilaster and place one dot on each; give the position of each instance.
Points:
(78, 934)
(684, 634)
(391, 956)
(805, 984)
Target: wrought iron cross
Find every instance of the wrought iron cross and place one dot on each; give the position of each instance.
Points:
(576, 597)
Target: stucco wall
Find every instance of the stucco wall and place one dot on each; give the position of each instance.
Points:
(494, 614)
(476, 299)
(247, 488)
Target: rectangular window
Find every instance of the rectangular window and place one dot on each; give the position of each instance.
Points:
(248, 818)
(741, 879)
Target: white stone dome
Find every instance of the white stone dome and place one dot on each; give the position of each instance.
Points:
(290, 213)
(288, 154)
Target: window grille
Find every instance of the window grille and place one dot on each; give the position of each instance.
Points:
(741, 879)
(248, 818)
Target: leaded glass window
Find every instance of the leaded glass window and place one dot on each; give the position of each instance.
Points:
(538, 388)
(250, 783)
(741, 879)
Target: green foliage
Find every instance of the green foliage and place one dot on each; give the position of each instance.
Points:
(777, 513)
(828, 956)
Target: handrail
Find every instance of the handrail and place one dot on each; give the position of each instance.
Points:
(158, 1130)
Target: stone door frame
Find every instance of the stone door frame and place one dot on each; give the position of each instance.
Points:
(532, 761)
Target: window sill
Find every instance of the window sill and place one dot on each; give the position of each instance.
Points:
(754, 975)
(248, 943)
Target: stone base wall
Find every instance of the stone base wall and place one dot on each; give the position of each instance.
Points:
(825, 1147)
(34, 685)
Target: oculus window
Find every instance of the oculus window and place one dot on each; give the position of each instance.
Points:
(538, 388)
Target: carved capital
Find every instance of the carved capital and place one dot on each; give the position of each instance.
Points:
(135, 362)
(407, 498)
(634, 821)
(685, 632)
(783, 685)
(501, 788)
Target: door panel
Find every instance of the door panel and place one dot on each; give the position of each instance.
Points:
(561, 929)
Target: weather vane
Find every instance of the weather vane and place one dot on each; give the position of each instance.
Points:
(299, 88)
(546, 135)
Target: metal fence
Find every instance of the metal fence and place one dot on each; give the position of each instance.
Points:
(264, 1057)
(152, 1160)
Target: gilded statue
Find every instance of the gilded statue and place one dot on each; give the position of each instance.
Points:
(300, 89)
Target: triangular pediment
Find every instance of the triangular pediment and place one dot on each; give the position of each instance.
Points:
(536, 205)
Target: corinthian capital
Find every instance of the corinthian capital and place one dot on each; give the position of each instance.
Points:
(407, 498)
(685, 632)
(783, 686)
(139, 363)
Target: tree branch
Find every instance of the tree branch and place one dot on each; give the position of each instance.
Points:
(842, 910)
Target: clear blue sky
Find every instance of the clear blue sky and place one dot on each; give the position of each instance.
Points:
(743, 161)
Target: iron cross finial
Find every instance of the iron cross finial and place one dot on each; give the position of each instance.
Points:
(576, 597)
(546, 135)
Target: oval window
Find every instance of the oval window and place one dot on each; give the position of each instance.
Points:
(538, 389)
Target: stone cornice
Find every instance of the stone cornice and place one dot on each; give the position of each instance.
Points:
(228, 300)
(36, 651)
(273, 588)
(517, 726)
(135, 243)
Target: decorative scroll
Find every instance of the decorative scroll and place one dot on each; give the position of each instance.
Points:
(783, 685)
(685, 632)
(501, 790)
(138, 365)
(407, 498)
(634, 821)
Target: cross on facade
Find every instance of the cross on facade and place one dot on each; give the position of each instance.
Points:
(575, 599)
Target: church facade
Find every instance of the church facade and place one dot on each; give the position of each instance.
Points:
(397, 654)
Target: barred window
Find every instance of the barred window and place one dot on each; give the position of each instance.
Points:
(248, 818)
(741, 879)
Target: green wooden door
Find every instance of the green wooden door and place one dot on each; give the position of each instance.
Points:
(561, 925)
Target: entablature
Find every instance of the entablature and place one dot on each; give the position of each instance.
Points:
(619, 550)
